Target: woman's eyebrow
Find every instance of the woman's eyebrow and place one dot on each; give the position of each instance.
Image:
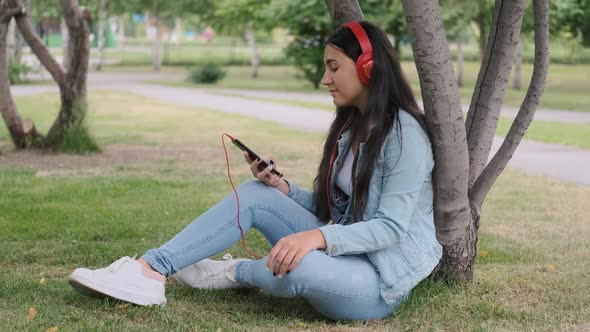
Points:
(328, 61)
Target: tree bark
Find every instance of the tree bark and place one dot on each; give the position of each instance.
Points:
(527, 110)
(460, 63)
(456, 230)
(22, 133)
(343, 11)
(101, 37)
(254, 56)
(73, 90)
(486, 103)
(517, 67)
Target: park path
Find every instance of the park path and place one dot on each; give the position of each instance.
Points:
(551, 160)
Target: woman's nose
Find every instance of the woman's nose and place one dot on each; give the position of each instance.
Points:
(326, 79)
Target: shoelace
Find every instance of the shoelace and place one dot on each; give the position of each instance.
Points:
(116, 266)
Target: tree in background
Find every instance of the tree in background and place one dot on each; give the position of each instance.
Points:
(68, 131)
(308, 25)
(462, 175)
(240, 17)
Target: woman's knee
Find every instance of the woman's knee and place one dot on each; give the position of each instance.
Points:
(256, 193)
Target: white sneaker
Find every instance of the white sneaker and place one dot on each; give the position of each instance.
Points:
(123, 280)
(211, 274)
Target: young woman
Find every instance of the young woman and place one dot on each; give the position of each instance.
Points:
(374, 182)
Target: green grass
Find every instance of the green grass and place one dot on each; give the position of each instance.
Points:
(531, 272)
(576, 135)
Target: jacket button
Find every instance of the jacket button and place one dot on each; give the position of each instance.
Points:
(333, 249)
(389, 296)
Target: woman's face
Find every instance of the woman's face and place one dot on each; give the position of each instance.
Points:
(342, 79)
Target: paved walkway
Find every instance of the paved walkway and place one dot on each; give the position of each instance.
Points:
(555, 161)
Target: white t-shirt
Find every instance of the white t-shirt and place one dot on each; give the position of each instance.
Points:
(344, 178)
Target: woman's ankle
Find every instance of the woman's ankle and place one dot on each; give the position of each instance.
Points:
(149, 272)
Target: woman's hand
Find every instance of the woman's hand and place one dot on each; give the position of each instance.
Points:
(265, 176)
(289, 251)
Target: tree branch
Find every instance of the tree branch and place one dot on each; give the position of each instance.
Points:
(71, 13)
(527, 110)
(39, 49)
(9, 13)
(343, 11)
(487, 99)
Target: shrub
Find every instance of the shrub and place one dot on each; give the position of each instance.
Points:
(16, 70)
(206, 73)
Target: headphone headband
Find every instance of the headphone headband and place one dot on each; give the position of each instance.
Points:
(360, 35)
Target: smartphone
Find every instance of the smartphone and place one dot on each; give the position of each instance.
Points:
(254, 156)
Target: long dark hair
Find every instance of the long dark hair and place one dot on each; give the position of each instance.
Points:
(388, 92)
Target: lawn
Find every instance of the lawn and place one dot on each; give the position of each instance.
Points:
(164, 165)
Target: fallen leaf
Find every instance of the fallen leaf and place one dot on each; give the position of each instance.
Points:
(52, 329)
(122, 306)
(32, 312)
(43, 282)
(484, 253)
(550, 267)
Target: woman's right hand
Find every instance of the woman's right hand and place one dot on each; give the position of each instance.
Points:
(265, 176)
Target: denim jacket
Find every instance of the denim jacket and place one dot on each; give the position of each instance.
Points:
(397, 231)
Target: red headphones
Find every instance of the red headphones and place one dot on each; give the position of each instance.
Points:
(364, 63)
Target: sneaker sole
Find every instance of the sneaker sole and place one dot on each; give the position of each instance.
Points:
(88, 287)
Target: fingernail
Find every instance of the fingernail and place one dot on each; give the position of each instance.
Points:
(272, 161)
(274, 274)
(267, 269)
(257, 159)
(288, 272)
(269, 166)
(281, 276)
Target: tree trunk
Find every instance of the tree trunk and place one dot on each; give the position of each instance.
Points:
(72, 83)
(101, 37)
(460, 63)
(254, 57)
(65, 41)
(19, 43)
(157, 45)
(488, 96)
(517, 65)
(456, 229)
(343, 11)
(121, 32)
(22, 133)
(73, 92)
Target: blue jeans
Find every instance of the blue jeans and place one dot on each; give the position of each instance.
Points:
(340, 288)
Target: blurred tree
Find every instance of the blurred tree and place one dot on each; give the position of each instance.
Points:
(308, 25)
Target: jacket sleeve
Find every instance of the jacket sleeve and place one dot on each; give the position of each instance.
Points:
(404, 172)
(302, 196)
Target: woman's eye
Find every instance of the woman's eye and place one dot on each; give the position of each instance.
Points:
(333, 69)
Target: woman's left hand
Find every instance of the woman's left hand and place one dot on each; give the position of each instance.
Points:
(289, 251)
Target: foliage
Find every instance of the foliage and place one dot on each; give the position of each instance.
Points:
(16, 70)
(308, 23)
(206, 73)
(571, 16)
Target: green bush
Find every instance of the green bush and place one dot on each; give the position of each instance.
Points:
(16, 70)
(206, 73)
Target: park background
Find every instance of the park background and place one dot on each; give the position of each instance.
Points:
(152, 88)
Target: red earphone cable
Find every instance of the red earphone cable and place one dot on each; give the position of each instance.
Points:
(237, 198)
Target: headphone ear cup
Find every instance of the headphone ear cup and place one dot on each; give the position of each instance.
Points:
(364, 67)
